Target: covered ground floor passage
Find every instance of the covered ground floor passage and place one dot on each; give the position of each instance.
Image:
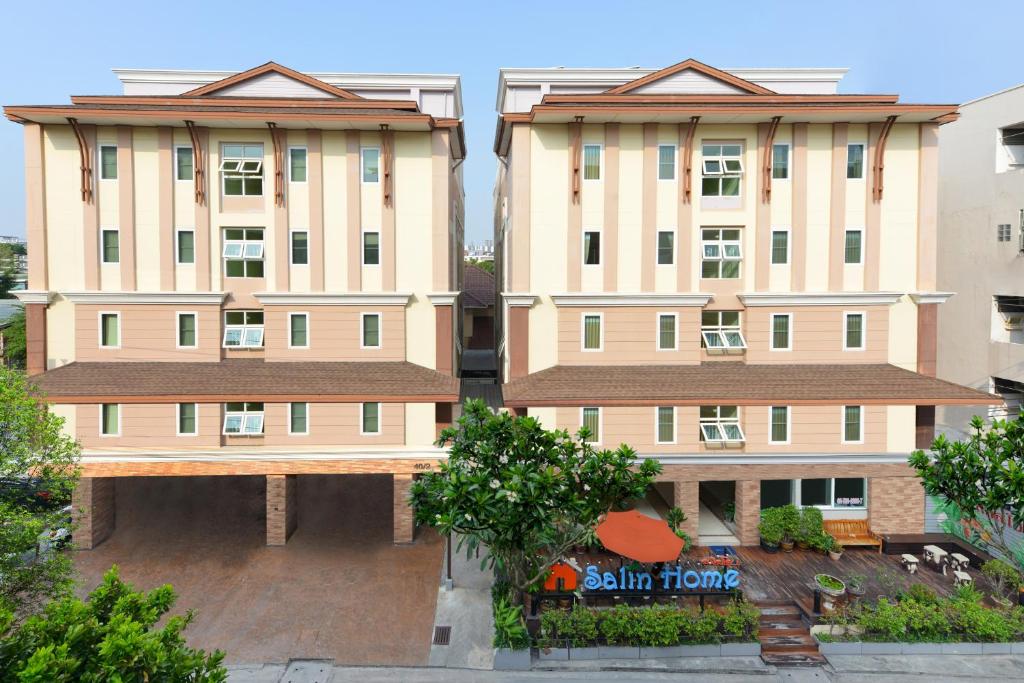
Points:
(340, 588)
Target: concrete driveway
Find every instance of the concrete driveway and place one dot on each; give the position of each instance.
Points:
(339, 589)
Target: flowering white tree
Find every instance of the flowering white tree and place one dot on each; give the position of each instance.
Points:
(524, 494)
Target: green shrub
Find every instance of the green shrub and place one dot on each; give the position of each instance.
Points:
(771, 527)
(977, 622)
(509, 629)
(653, 626)
(885, 621)
(925, 621)
(810, 526)
(921, 593)
(1002, 577)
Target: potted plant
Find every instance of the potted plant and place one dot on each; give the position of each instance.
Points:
(770, 529)
(729, 511)
(809, 529)
(789, 517)
(855, 586)
(831, 588)
(834, 548)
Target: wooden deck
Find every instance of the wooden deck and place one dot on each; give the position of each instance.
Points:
(790, 576)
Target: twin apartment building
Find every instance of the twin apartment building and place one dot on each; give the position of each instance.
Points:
(259, 273)
(247, 274)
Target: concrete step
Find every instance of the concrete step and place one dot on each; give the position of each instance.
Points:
(785, 659)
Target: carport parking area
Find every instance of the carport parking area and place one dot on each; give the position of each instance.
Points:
(339, 589)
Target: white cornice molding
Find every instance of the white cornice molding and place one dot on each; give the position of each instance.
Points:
(333, 299)
(931, 297)
(33, 296)
(98, 455)
(732, 458)
(183, 298)
(637, 299)
(443, 298)
(819, 298)
(519, 299)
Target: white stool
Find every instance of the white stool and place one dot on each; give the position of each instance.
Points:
(959, 561)
(961, 578)
(909, 563)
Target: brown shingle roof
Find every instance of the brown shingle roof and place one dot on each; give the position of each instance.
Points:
(477, 287)
(735, 383)
(249, 379)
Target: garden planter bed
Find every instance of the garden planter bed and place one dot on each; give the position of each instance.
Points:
(867, 647)
(597, 652)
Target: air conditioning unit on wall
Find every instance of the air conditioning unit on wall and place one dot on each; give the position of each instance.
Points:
(1013, 321)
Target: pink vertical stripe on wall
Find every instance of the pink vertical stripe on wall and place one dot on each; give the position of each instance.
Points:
(574, 249)
(202, 227)
(165, 178)
(353, 214)
(611, 207)
(837, 208)
(126, 205)
(763, 215)
(928, 206)
(873, 215)
(315, 176)
(648, 236)
(684, 220)
(90, 222)
(798, 234)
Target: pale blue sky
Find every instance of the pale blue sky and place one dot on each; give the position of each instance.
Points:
(943, 51)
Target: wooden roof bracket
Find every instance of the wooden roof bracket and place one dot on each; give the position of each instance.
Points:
(688, 159)
(198, 163)
(766, 163)
(575, 149)
(85, 161)
(278, 164)
(388, 162)
(878, 169)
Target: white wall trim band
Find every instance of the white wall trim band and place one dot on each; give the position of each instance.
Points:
(931, 297)
(443, 298)
(778, 459)
(607, 299)
(220, 456)
(519, 299)
(820, 298)
(144, 297)
(34, 296)
(332, 299)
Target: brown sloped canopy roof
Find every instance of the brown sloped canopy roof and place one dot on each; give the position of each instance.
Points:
(247, 379)
(477, 288)
(735, 383)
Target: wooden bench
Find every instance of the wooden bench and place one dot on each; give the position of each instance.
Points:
(851, 532)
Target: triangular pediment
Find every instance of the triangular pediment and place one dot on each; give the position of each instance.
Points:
(687, 78)
(271, 80)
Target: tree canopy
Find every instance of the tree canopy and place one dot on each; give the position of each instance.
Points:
(524, 494)
(111, 636)
(983, 476)
(38, 470)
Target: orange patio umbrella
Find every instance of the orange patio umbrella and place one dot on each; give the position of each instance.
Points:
(639, 537)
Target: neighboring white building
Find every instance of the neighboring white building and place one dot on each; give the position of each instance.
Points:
(981, 230)
(481, 252)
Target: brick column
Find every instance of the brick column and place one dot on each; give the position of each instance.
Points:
(687, 499)
(445, 348)
(517, 334)
(35, 338)
(748, 511)
(404, 524)
(896, 505)
(92, 511)
(927, 345)
(282, 508)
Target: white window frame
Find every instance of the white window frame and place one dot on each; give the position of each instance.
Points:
(842, 425)
(244, 243)
(789, 162)
(291, 428)
(863, 330)
(380, 329)
(600, 162)
(719, 423)
(708, 332)
(675, 162)
(291, 316)
(362, 165)
(720, 244)
(600, 248)
(863, 235)
(789, 247)
(177, 419)
(722, 172)
(291, 247)
(600, 424)
(177, 329)
(306, 150)
(177, 247)
(99, 160)
(362, 249)
(863, 159)
(380, 419)
(657, 426)
(583, 332)
(245, 414)
(244, 327)
(175, 162)
(797, 494)
(771, 332)
(232, 167)
(657, 247)
(120, 330)
(789, 426)
(657, 331)
(102, 247)
(118, 432)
